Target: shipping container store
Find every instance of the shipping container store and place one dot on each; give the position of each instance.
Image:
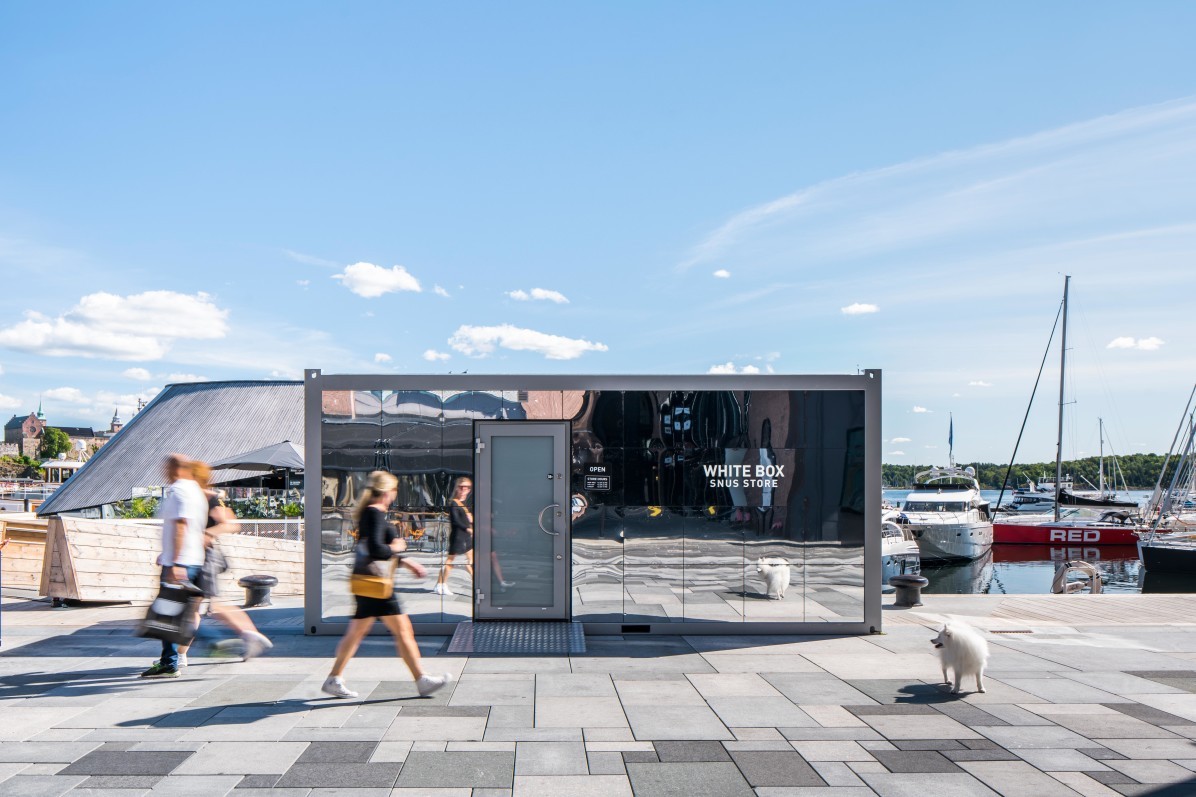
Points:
(716, 504)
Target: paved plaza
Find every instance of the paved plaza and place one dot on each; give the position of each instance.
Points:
(1079, 701)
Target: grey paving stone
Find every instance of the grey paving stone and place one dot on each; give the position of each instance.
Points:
(921, 784)
(195, 785)
(756, 712)
(1013, 737)
(1110, 777)
(45, 752)
(694, 779)
(818, 689)
(1100, 753)
(118, 782)
(869, 710)
(448, 770)
(337, 753)
(572, 786)
(981, 744)
(258, 781)
(775, 768)
(670, 752)
(605, 763)
(1016, 777)
(866, 733)
(676, 722)
(1111, 726)
(550, 758)
(38, 785)
(929, 744)
(1060, 760)
(979, 755)
(1154, 771)
(968, 714)
(357, 776)
(1149, 714)
(639, 757)
(914, 761)
(127, 763)
(1178, 679)
(445, 711)
(1152, 748)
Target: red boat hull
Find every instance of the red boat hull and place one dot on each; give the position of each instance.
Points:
(1049, 534)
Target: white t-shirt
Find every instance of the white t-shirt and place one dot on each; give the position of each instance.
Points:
(184, 499)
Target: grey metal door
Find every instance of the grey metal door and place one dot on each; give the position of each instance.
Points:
(521, 520)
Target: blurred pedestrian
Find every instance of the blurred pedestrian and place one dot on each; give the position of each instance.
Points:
(221, 520)
(184, 513)
(460, 534)
(379, 541)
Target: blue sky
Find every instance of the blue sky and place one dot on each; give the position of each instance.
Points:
(229, 191)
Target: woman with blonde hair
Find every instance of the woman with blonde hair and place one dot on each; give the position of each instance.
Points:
(379, 541)
(460, 541)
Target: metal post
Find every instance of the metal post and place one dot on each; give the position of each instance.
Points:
(1062, 373)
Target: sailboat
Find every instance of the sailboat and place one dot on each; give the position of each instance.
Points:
(1115, 526)
(1106, 494)
(1170, 545)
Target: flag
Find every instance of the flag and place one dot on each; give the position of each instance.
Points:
(951, 433)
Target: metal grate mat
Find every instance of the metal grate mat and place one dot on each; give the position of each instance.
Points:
(518, 638)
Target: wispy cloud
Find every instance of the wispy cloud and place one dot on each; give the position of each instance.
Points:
(920, 409)
(896, 454)
(431, 355)
(859, 309)
(481, 341)
(138, 374)
(370, 281)
(722, 273)
(310, 260)
(538, 295)
(1143, 344)
(900, 440)
(181, 377)
(382, 357)
(9, 402)
(439, 291)
(303, 283)
(141, 326)
(979, 383)
(66, 395)
(730, 368)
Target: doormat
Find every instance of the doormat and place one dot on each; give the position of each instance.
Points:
(518, 639)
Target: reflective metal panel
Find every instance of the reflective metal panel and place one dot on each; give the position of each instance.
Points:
(834, 593)
(714, 593)
(653, 594)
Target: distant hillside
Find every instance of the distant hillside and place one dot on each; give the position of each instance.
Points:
(1141, 472)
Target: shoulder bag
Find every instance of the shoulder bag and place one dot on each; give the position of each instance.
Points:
(373, 578)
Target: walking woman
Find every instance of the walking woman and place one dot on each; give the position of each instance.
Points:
(460, 534)
(379, 541)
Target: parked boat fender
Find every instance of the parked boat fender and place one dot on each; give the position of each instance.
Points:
(1089, 577)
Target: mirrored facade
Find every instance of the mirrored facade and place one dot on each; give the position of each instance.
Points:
(715, 506)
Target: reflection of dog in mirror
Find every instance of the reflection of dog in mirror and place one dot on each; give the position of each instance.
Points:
(964, 651)
(776, 576)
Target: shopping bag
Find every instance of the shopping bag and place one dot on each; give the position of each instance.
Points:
(174, 614)
(374, 579)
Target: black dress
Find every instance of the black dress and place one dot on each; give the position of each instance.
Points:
(374, 536)
(460, 529)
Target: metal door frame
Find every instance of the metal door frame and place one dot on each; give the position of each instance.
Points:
(557, 521)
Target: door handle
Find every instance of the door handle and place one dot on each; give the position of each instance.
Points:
(540, 520)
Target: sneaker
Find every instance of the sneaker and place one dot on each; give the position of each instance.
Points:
(443, 589)
(160, 670)
(182, 660)
(336, 687)
(255, 644)
(506, 584)
(427, 684)
(227, 649)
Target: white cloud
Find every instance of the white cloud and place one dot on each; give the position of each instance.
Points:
(538, 294)
(729, 368)
(303, 283)
(439, 291)
(722, 273)
(858, 309)
(66, 395)
(370, 281)
(178, 378)
(920, 409)
(979, 383)
(139, 374)
(900, 440)
(929, 446)
(9, 402)
(137, 327)
(431, 355)
(480, 341)
(310, 260)
(1145, 344)
(896, 454)
(381, 357)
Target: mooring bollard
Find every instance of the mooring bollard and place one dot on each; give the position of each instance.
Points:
(908, 589)
(257, 590)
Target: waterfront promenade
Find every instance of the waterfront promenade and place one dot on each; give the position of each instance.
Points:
(1088, 695)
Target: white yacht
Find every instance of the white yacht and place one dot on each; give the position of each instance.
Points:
(946, 515)
(899, 554)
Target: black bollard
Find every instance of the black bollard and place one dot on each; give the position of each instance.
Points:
(257, 590)
(908, 589)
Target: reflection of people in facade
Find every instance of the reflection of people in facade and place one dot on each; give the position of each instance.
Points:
(460, 534)
(379, 541)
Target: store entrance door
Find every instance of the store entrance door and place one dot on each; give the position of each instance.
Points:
(521, 520)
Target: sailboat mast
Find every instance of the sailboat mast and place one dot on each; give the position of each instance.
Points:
(1100, 479)
(1062, 373)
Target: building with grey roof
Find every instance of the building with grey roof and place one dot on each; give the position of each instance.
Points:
(203, 420)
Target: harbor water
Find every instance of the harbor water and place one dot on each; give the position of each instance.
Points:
(1029, 569)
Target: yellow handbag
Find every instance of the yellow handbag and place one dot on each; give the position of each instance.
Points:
(379, 583)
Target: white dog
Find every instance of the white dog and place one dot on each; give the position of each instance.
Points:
(963, 650)
(776, 576)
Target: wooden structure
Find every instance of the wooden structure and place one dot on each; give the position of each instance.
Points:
(26, 535)
(106, 560)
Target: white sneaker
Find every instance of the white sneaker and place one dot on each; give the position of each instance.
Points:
(439, 588)
(255, 644)
(182, 660)
(506, 584)
(427, 684)
(443, 589)
(335, 686)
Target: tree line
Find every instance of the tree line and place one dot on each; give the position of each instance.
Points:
(1141, 472)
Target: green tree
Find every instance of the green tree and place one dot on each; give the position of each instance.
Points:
(54, 442)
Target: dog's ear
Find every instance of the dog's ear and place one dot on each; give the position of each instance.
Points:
(947, 630)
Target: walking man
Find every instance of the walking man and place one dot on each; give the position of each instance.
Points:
(184, 513)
